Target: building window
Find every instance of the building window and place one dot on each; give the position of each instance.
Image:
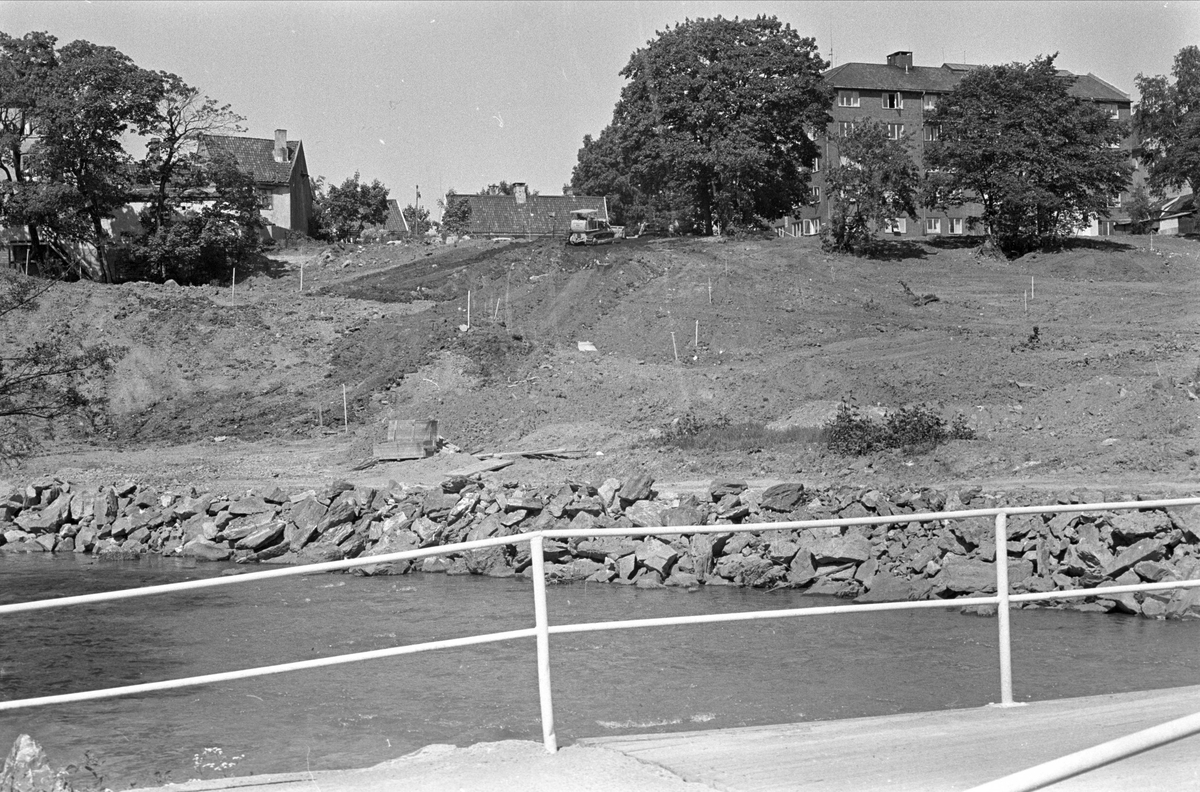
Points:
(895, 131)
(893, 101)
(810, 227)
(814, 193)
(816, 165)
(848, 99)
(930, 101)
(264, 199)
(847, 127)
(1114, 112)
(933, 225)
(956, 225)
(897, 225)
(1114, 201)
(932, 132)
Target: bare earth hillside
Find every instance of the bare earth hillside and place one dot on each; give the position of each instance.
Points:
(1077, 368)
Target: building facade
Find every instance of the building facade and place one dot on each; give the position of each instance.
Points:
(280, 173)
(902, 96)
(524, 215)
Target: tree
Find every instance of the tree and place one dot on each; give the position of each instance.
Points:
(46, 379)
(716, 121)
(1041, 162)
(347, 209)
(92, 97)
(418, 220)
(875, 182)
(207, 243)
(24, 65)
(456, 213)
(1167, 123)
(1142, 210)
(171, 164)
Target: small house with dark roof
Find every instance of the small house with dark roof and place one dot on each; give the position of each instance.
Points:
(526, 216)
(280, 174)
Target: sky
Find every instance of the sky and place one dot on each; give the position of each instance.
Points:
(461, 95)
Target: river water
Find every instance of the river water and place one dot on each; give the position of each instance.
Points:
(626, 681)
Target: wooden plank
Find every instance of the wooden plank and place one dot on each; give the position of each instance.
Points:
(535, 453)
(481, 467)
(391, 452)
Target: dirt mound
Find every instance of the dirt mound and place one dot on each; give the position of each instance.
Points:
(1085, 375)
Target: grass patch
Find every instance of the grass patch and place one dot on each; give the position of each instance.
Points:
(691, 433)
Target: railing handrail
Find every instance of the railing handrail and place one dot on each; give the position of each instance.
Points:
(542, 629)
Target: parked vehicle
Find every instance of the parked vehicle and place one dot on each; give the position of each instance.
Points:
(587, 229)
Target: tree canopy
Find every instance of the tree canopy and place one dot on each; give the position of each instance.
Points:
(1167, 122)
(456, 213)
(715, 125)
(1041, 162)
(345, 210)
(876, 180)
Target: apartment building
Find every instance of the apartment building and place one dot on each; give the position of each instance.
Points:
(902, 96)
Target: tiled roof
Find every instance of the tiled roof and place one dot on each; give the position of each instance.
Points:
(921, 79)
(540, 215)
(1089, 86)
(395, 221)
(882, 77)
(255, 156)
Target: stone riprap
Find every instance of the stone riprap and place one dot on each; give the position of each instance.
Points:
(908, 560)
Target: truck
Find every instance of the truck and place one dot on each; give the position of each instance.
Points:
(587, 229)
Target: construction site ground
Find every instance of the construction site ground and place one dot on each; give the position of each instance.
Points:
(1077, 369)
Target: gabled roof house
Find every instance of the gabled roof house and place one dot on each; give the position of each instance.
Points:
(527, 216)
(280, 174)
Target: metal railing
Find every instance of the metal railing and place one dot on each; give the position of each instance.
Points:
(1033, 778)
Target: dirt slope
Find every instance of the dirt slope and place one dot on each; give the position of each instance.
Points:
(765, 331)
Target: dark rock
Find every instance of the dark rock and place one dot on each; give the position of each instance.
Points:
(963, 576)
(262, 537)
(682, 579)
(720, 489)
(656, 555)
(885, 587)
(205, 550)
(276, 496)
(782, 497)
(851, 548)
(682, 516)
(604, 547)
(636, 488)
(1129, 527)
(1154, 571)
(1142, 550)
(244, 506)
(1187, 520)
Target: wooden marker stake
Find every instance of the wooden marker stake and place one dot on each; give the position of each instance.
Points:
(345, 411)
(674, 347)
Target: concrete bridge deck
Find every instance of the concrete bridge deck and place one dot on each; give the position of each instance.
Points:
(921, 752)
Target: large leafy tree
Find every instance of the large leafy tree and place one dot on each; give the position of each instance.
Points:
(203, 241)
(876, 180)
(346, 209)
(456, 213)
(172, 165)
(24, 65)
(1167, 122)
(1041, 162)
(713, 122)
(85, 104)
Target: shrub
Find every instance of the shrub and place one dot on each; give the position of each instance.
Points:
(918, 427)
(692, 433)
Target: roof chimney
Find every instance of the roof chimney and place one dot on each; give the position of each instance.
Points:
(900, 58)
(281, 147)
(519, 192)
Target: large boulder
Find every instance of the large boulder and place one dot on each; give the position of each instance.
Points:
(961, 575)
(205, 550)
(1131, 527)
(885, 587)
(1141, 550)
(782, 497)
(27, 770)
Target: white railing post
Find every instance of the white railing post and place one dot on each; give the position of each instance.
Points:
(542, 625)
(1006, 696)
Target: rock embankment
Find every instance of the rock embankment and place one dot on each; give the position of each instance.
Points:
(908, 560)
